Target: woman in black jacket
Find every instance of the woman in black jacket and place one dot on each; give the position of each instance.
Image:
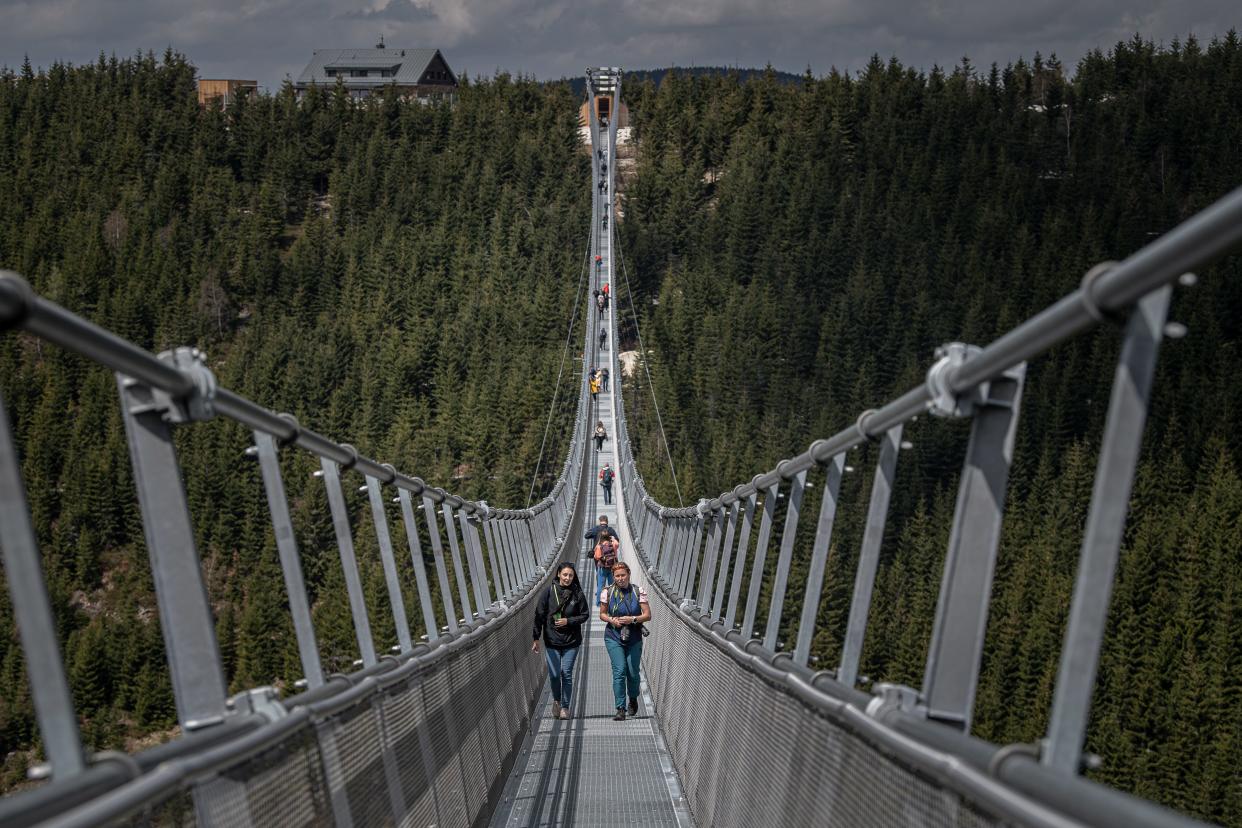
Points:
(559, 616)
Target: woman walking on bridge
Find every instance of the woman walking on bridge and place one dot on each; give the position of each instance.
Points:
(559, 616)
(623, 607)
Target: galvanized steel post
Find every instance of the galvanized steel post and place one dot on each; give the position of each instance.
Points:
(777, 604)
(290, 563)
(458, 569)
(1106, 520)
(437, 552)
(819, 558)
(389, 561)
(956, 648)
(349, 562)
(869, 556)
(32, 610)
(185, 610)
(420, 568)
(761, 552)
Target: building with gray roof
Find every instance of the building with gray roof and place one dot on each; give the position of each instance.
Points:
(416, 73)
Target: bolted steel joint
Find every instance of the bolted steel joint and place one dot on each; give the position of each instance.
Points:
(197, 405)
(944, 402)
(262, 700)
(890, 697)
(297, 430)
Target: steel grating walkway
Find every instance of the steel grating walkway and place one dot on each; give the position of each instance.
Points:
(591, 770)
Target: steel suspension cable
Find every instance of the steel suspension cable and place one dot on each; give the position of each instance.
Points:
(642, 357)
(560, 373)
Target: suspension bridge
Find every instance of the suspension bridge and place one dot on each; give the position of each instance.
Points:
(734, 728)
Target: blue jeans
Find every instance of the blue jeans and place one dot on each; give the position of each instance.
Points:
(561, 673)
(624, 658)
(603, 578)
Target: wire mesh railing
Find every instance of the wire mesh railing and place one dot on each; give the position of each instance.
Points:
(719, 666)
(424, 731)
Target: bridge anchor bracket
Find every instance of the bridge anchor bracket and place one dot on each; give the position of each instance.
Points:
(265, 701)
(895, 697)
(196, 406)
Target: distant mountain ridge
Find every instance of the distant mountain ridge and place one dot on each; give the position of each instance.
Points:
(635, 77)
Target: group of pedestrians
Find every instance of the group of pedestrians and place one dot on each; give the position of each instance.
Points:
(597, 379)
(563, 609)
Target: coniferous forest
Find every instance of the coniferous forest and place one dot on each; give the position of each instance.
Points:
(796, 254)
(397, 276)
(401, 276)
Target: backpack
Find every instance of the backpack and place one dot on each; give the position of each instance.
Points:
(606, 552)
(606, 477)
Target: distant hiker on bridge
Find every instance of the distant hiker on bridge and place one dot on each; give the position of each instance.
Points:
(606, 476)
(559, 616)
(607, 295)
(601, 302)
(603, 380)
(601, 434)
(607, 552)
(603, 338)
(594, 387)
(624, 608)
(599, 261)
(601, 528)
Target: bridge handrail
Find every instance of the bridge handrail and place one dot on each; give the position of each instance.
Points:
(509, 550)
(682, 547)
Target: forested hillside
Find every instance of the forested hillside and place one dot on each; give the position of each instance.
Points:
(398, 275)
(797, 252)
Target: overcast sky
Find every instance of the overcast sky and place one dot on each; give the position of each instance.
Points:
(267, 39)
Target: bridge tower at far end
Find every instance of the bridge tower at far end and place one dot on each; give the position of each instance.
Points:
(604, 82)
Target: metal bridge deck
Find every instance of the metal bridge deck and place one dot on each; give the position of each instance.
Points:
(590, 770)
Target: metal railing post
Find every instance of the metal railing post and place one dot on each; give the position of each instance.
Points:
(761, 553)
(743, 542)
(185, 610)
(437, 551)
(529, 533)
(956, 648)
(725, 560)
(497, 557)
(420, 568)
(479, 542)
(349, 562)
(478, 575)
(697, 527)
(290, 563)
(869, 556)
(819, 558)
(708, 575)
(777, 604)
(32, 610)
(462, 588)
(391, 579)
(1106, 520)
(501, 530)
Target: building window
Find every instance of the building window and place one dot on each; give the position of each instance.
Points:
(358, 73)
